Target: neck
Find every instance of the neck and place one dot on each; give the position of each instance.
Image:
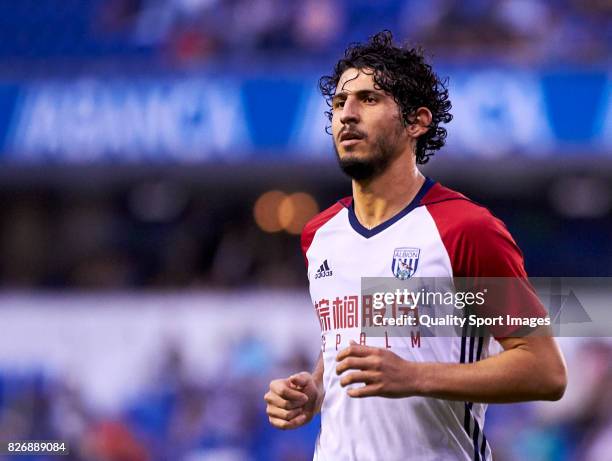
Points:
(378, 199)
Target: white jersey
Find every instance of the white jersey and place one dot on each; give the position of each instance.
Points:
(441, 234)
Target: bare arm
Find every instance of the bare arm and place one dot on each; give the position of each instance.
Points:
(317, 376)
(530, 368)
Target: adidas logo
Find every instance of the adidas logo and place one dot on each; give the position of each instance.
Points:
(323, 271)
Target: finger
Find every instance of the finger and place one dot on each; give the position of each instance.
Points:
(276, 400)
(353, 363)
(283, 390)
(280, 413)
(365, 377)
(300, 379)
(355, 350)
(371, 390)
(292, 424)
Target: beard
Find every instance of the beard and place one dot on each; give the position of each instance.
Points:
(384, 151)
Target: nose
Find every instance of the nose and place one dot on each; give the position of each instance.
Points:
(350, 111)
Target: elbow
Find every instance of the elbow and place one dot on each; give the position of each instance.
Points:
(556, 383)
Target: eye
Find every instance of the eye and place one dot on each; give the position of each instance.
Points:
(369, 99)
(338, 104)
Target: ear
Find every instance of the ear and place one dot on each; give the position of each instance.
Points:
(419, 122)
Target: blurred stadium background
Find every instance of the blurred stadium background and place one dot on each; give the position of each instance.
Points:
(158, 159)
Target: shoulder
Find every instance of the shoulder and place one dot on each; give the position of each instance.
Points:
(454, 212)
(323, 217)
(476, 241)
(319, 220)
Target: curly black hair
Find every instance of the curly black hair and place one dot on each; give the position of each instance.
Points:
(403, 73)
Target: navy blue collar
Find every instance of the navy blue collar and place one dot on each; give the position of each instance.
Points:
(367, 233)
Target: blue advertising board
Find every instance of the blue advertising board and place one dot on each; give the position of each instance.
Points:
(201, 118)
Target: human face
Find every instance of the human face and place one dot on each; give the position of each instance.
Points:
(366, 126)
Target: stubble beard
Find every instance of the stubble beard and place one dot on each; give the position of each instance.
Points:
(384, 151)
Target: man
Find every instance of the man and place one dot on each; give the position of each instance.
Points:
(384, 400)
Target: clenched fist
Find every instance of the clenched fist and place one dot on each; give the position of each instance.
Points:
(292, 402)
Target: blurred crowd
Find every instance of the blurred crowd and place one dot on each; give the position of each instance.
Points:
(174, 418)
(121, 240)
(197, 31)
(521, 30)
(223, 419)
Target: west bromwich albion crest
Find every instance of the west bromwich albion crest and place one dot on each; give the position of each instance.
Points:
(405, 262)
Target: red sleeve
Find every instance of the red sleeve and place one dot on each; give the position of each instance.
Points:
(311, 228)
(483, 253)
(478, 244)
